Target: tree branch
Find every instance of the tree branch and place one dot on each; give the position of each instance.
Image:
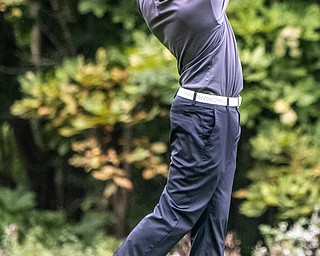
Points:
(62, 19)
(35, 44)
(53, 39)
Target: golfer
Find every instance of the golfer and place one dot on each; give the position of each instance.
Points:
(205, 129)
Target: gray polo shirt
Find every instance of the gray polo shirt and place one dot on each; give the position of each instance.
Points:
(199, 35)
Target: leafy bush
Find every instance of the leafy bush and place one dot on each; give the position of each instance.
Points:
(82, 104)
(26, 231)
(301, 239)
(19, 217)
(15, 206)
(280, 54)
(65, 244)
(12, 169)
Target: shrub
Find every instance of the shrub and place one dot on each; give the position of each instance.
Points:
(66, 244)
(300, 239)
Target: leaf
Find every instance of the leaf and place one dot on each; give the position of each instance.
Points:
(109, 190)
(123, 182)
(158, 147)
(137, 155)
(241, 193)
(101, 57)
(81, 122)
(15, 201)
(67, 131)
(154, 170)
(98, 7)
(107, 172)
(96, 104)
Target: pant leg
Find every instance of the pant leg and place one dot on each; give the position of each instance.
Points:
(208, 235)
(195, 171)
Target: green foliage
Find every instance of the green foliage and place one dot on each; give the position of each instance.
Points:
(11, 167)
(110, 117)
(65, 244)
(303, 238)
(17, 208)
(275, 42)
(77, 96)
(25, 230)
(15, 205)
(16, 201)
(98, 7)
(281, 104)
(121, 12)
(293, 195)
(153, 69)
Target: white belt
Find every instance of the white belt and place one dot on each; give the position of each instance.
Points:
(209, 98)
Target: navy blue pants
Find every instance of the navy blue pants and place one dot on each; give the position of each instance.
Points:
(197, 195)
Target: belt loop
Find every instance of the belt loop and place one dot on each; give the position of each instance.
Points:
(239, 101)
(228, 100)
(175, 95)
(194, 98)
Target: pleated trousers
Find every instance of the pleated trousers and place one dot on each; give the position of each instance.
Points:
(196, 198)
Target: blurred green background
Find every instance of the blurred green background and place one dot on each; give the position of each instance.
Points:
(85, 93)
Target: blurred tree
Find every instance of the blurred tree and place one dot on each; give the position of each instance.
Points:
(279, 49)
(36, 37)
(91, 109)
